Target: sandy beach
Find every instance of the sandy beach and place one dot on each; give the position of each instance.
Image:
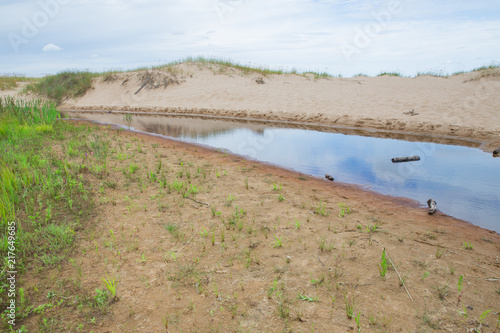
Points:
(204, 241)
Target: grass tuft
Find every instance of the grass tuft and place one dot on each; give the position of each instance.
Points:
(10, 81)
(390, 74)
(110, 284)
(67, 84)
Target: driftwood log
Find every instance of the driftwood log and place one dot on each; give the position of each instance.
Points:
(432, 206)
(405, 159)
(147, 81)
(330, 178)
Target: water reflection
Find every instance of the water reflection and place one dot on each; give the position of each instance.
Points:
(464, 181)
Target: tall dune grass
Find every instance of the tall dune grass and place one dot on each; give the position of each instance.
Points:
(67, 84)
(231, 64)
(9, 81)
(72, 84)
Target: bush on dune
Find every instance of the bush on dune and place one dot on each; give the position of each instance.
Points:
(67, 84)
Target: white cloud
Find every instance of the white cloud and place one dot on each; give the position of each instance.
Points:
(94, 56)
(51, 48)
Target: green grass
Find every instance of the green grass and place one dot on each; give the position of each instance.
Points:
(485, 72)
(431, 73)
(42, 193)
(344, 209)
(307, 298)
(318, 75)
(225, 63)
(467, 246)
(349, 306)
(478, 69)
(460, 283)
(321, 209)
(67, 84)
(110, 284)
(384, 265)
(323, 245)
(9, 81)
(389, 74)
(278, 241)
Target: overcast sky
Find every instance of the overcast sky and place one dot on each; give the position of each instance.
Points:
(345, 37)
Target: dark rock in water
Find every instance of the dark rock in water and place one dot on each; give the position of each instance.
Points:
(330, 178)
(497, 151)
(432, 206)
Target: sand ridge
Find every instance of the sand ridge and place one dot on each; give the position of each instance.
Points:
(464, 105)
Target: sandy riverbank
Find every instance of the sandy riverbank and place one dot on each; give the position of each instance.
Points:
(260, 249)
(201, 240)
(464, 105)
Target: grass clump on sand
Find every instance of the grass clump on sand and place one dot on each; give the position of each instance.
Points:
(485, 72)
(432, 73)
(390, 74)
(8, 82)
(67, 84)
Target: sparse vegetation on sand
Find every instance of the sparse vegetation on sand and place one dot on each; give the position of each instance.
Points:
(67, 84)
(389, 74)
(120, 232)
(485, 72)
(432, 73)
(41, 193)
(10, 81)
(71, 84)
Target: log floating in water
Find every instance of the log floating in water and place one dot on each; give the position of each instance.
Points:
(330, 178)
(432, 206)
(405, 159)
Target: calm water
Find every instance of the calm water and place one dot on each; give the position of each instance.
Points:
(464, 181)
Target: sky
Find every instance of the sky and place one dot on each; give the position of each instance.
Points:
(340, 37)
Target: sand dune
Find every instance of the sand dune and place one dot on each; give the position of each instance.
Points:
(465, 105)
